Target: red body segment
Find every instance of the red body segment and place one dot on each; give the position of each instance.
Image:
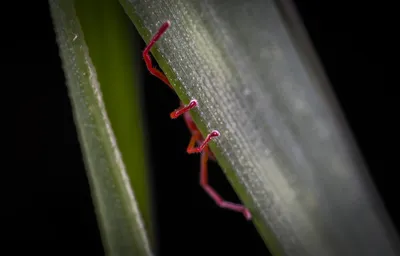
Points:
(197, 142)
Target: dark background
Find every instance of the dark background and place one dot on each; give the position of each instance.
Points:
(47, 206)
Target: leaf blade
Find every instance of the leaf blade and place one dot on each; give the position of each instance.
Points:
(121, 223)
(284, 144)
(115, 53)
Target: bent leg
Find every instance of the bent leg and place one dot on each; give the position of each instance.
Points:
(213, 194)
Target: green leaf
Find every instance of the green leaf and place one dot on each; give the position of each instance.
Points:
(122, 226)
(116, 56)
(284, 144)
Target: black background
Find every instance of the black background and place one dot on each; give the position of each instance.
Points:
(47, 205)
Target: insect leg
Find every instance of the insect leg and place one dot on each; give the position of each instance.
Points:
(209, 137)
(183, 109)
(147, 58)
(157, 73)
(193, 140)
(213, 194)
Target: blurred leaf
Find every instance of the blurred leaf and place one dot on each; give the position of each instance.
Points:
(118, 214)
(284, 144)
(116, 56)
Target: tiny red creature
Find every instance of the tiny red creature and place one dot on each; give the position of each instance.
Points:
(196, 135)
